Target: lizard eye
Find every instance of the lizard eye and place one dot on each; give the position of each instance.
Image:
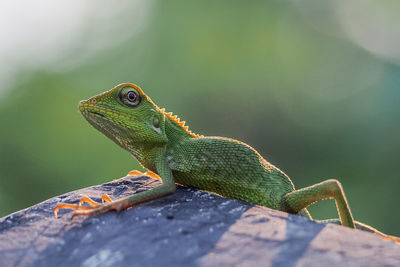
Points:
(129, 96)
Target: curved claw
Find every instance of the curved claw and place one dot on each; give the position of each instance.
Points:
(148, 173)
(69, 206)
(392, 238)
(387, 237)
(153, 175)
(135, 172)
(106, 198)
(86, 199)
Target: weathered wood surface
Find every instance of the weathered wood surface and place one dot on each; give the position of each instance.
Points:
(189, 228)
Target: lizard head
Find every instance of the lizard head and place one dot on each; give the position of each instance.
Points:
(127, 116)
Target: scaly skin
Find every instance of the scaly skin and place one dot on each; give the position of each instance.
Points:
(227, 167)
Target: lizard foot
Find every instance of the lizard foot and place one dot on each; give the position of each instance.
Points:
(390, 237)
(148, 173)
(96, 207)
(85, 199)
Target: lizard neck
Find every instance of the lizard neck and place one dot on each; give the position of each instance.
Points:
(174, 132)
(146, 156)
(145, 152)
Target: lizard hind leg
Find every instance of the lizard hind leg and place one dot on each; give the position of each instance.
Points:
(299, 199)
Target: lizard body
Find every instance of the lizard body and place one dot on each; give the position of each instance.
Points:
(164, 145)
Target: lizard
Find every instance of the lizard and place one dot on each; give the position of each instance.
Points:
(162, 144)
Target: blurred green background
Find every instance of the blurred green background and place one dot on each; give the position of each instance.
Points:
(312, 85)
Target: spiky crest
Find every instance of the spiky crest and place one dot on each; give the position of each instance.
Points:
(180, 123)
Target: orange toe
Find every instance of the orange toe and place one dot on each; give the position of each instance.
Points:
(106, 198)
(153, 175)
(69, 206)
(135, 172)
(86, 199)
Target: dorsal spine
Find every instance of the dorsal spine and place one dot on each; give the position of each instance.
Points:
(180, 123)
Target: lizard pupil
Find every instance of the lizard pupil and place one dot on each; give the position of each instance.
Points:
(131, 96)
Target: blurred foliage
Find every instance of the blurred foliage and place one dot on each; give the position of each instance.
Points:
(311, 102)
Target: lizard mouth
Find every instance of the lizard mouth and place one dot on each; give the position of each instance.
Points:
(96, 113)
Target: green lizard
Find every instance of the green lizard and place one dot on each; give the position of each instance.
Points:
(164, 145)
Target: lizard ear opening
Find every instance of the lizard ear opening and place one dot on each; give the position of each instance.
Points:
(129, 96)
(156, 123)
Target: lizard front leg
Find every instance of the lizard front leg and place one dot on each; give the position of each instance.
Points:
(84, 199)
(299, 199)
(168, 187)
